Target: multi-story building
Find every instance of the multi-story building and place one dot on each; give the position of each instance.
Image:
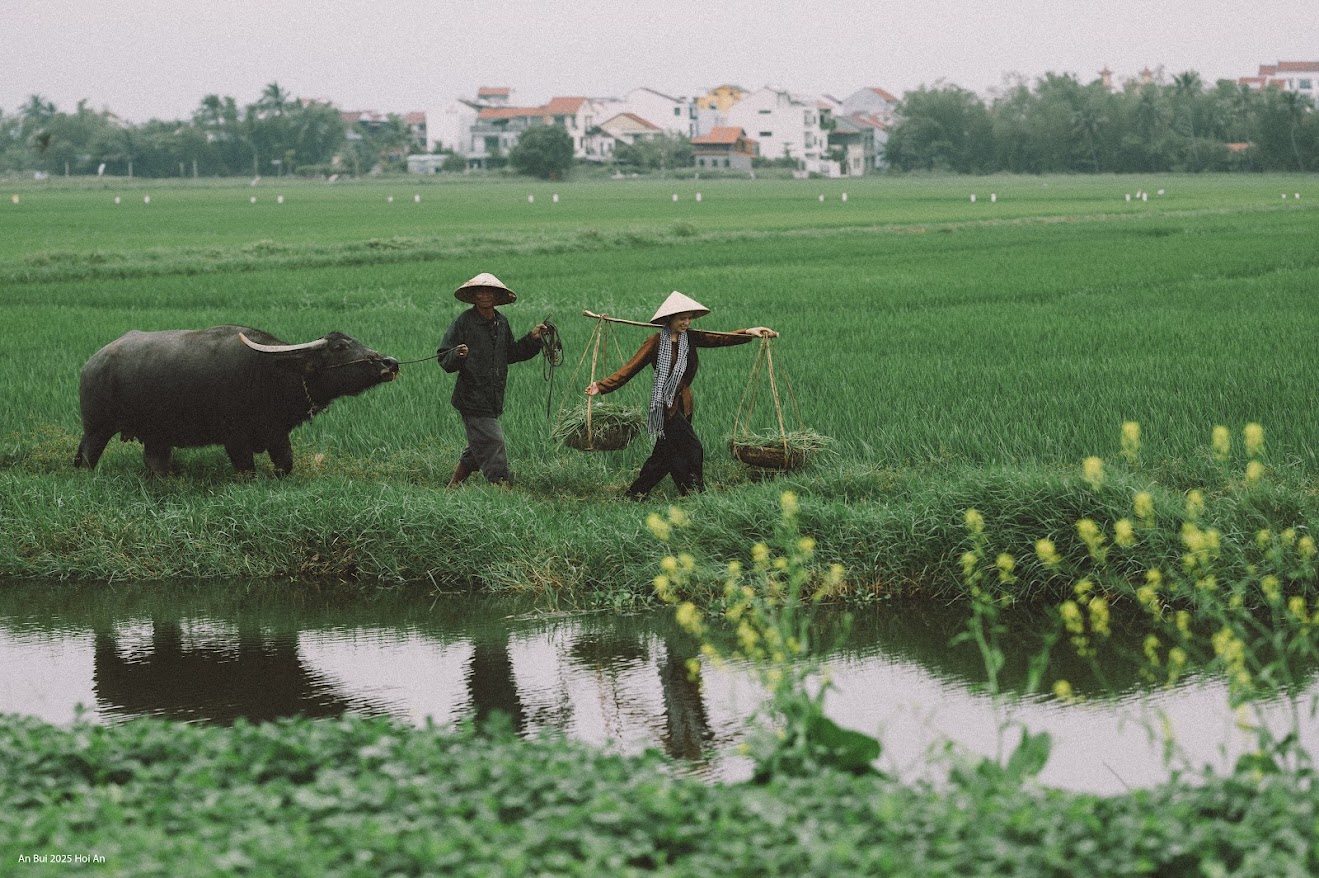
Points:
(725, 148)
(497, 129)
(860, 139)
(671, 115)
(784, 125)
(1298, 76)
(872, 102)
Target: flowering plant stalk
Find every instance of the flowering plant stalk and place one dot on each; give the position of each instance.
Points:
(1258, 630)
(765, 617)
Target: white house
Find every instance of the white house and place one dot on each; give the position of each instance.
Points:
(1298, 76)
(624, 128)
(671, 115)
(497, 129)
(873, 102)
(448, 126)
(784, 125)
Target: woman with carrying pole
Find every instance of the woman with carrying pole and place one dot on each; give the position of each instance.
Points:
(672, 353)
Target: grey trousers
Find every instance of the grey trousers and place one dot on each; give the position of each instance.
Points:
(485, 449)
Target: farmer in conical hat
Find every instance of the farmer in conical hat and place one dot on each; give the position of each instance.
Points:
(479, 346)
(672, 352)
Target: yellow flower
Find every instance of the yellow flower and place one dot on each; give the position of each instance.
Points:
(1144, 508)
(1005, 564)
(1254, 471)
(780, 563)
(1152, 650)
(788, 503)
(1062, 690)
(669, 564)
(806, 545)
(1264, 538)
(1271, 588)
(760, 553)
(734, 568)
(693, 669)
(663, 587)
(658, 526)
(1305, 547)
(1254, 437)
(687, 562)
(975, 522)
(1099, 616)
(1296, 606)
(1124, 533)
(1093, 537)
(1130, 440)
(1047, 552)
(688, 617)
(969, 561)
(1222, 442)
(1092, 469)
(1195, 504)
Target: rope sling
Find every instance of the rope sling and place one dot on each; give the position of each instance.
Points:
(764, 449)
(597, 425)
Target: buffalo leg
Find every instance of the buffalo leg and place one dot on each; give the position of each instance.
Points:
(281, 453)
(157, 456)
(90, 449)
(240, 455)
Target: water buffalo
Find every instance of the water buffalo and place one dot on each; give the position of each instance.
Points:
(228, 385)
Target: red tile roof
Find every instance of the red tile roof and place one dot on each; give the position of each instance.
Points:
(720, 135)
(644, 123)
(883, 94)
(563, 106)
(1298, 66)
(487, 91)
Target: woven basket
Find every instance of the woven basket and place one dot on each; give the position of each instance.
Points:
(767, 456)
(614, 438)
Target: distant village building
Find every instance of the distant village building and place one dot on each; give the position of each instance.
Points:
(1301, 77)
(725, 148)
(624, 128)
(671, 115)
(872, 101)
(785, 126)
(497, 129)
(861, 140)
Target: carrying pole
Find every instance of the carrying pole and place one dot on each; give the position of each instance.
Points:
(595, 316)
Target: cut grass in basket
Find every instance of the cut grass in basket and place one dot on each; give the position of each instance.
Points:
(612, 427)
(771, 450)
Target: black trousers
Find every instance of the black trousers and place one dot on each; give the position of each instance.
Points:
(678, 453)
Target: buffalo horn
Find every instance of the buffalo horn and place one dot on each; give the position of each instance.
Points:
(282, 348)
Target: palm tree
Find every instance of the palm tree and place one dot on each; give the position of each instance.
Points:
(1294, 106)
(274, 99)
(1187, 86)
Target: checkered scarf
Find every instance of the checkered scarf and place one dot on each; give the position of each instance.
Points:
(668, 375)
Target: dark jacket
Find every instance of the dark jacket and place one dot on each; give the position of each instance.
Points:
(479, 390)
(648, 355)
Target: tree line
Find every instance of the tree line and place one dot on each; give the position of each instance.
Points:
(1054, 125)
(275, 135)
(1058, 125)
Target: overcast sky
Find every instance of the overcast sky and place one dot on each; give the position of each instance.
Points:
(158, 58)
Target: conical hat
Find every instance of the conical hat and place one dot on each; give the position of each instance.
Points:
(485, 281)
(677, 303)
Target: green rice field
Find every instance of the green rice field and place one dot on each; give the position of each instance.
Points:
(955, 351)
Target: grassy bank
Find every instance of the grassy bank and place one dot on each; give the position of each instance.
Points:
(957, 353)
(364, 797)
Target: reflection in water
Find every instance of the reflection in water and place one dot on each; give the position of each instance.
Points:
(214, 653)
(249, 674)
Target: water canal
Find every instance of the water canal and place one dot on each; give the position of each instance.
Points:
(213, 652)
